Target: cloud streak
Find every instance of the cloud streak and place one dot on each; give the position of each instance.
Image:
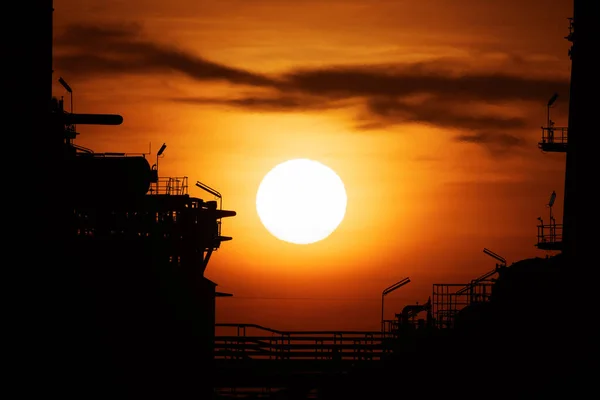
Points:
(93, 51)
(282, 103)
(413, 79)
(437, 92)
(496, 142)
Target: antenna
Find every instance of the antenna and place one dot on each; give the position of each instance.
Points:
(549, 105)
(551, 203)
(495, 256)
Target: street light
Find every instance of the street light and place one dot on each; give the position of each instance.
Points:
(497, 256)
(161, 150)
(155, 166)
(68, 89)
(388, 290)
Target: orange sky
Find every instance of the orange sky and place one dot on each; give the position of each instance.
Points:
(429, 111)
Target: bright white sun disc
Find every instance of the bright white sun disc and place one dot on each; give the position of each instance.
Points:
(301, 201)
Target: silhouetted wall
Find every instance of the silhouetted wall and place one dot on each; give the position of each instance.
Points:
(33, 213)
(145, 327)
(109, 178)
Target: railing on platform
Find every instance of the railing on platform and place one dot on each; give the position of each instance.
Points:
(175, 186)
(271, 344)
(390, 326)
(450, 298)
(549, 236)
(554, 139)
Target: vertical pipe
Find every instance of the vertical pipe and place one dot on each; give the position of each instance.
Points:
(382, 323)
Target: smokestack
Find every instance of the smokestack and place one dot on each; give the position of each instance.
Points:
(581, 99)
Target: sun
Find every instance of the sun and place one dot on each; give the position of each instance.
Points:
(301, 201)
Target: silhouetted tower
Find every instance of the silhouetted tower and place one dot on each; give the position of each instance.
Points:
(564, 139)
(580, 113)
(554, 139)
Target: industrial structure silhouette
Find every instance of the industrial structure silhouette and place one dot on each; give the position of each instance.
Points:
(135, 315)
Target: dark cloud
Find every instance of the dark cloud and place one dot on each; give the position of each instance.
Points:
(92, 50)
(281, 103)
(449, 92)
(407, 80)
(494, 141)
(438, 112)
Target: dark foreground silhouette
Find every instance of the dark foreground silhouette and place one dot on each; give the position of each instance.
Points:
(116, 304)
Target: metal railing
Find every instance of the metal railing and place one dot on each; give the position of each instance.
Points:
(271, 344)
(549, 234)
(175, 186)
(450, 298)
(554, 139)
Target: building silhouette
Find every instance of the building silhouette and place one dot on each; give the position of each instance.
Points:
(111, 298)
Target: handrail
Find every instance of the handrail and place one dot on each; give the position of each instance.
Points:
(255, 339)
(555, 134)
(177, 185)
(233, 325)
(300, 345)
(298, 333)
(550, 233)
(476, 281)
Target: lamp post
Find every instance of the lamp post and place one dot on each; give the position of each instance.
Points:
(158, 154)
(388, 290)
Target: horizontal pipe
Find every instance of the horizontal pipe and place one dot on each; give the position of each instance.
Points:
(93, 119)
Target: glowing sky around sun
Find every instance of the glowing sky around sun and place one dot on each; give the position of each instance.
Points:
(429, 112)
